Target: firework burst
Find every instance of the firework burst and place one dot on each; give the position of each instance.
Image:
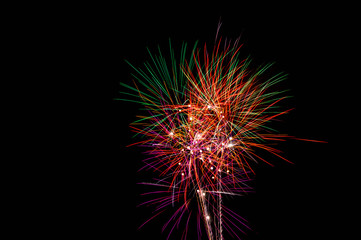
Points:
(206, 117)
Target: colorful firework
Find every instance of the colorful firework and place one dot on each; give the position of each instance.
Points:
(206, 117)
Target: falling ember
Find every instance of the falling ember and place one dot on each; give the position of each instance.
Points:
(207, 117)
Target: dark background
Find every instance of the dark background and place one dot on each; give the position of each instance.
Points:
(292, 201)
